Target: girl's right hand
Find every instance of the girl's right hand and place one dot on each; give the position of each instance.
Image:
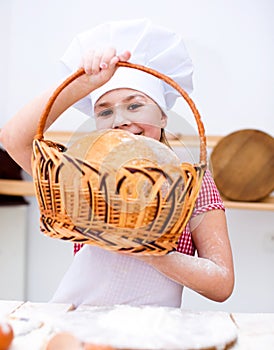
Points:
(100, 65)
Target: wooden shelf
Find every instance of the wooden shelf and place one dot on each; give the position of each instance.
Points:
(16, 188)
(175, 141)
(26, 188)
(265, 204)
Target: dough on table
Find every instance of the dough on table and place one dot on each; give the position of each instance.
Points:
(148, 327)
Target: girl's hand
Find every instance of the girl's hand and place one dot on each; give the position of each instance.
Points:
(100, 65)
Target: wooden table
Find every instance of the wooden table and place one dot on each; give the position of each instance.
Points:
(254, 331)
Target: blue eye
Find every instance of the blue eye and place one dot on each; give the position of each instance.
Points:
(105, 113)
(134, 106)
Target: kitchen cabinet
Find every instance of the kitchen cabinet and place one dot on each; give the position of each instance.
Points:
(13, 251)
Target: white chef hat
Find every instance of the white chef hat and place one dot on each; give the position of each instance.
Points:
(150, 45)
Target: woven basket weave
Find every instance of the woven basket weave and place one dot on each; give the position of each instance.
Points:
(104, 212)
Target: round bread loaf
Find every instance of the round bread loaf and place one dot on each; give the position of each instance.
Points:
(120, 165)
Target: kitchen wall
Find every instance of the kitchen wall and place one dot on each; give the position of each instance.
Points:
(232, 47)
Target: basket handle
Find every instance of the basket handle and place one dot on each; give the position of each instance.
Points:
(168, 80)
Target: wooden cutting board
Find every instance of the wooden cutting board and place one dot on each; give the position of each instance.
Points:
(243, 165)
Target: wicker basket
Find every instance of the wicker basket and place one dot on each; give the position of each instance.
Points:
(104, 212)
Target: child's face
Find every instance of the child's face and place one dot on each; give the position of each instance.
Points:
(130, 110)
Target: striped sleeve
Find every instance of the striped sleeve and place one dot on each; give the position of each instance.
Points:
(209, 197)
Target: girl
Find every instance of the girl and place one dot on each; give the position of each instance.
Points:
(133, 101)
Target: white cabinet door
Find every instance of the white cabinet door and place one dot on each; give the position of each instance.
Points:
(13, 228)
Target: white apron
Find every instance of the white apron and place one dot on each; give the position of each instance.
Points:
(100, 277)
